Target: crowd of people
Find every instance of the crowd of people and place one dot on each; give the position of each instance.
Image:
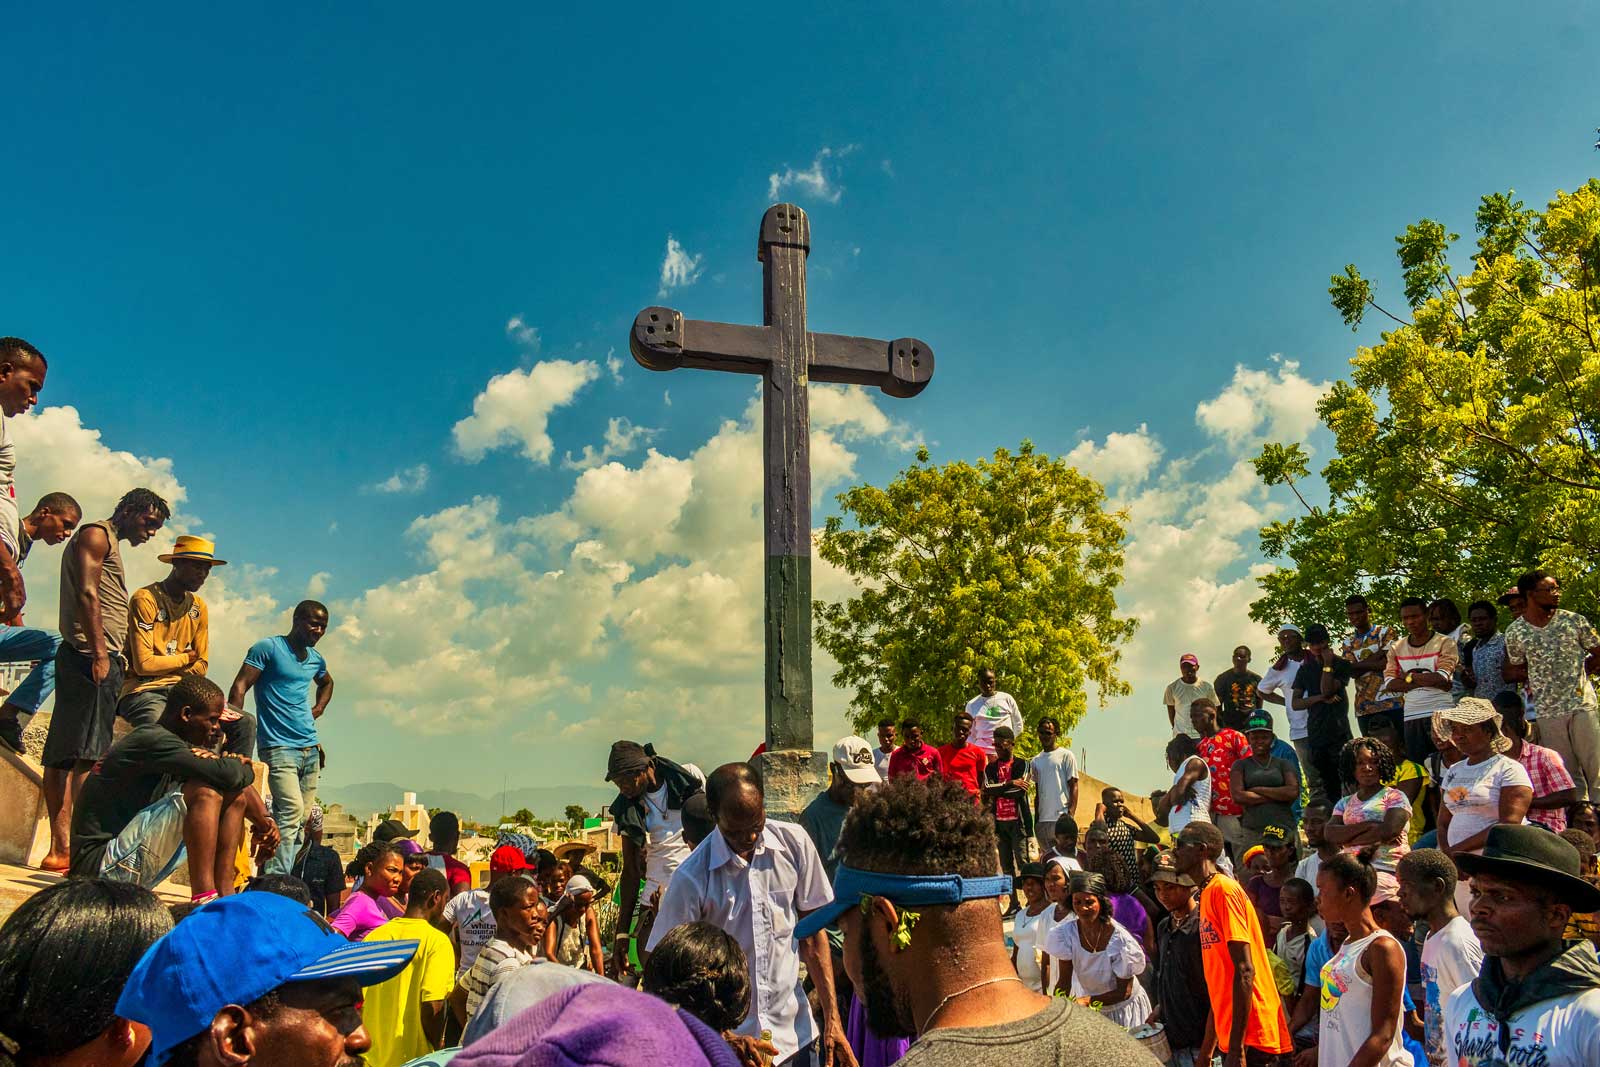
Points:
(1407, 876)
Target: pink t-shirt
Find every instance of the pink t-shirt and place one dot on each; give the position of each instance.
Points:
(1352, 811)
(362, 914)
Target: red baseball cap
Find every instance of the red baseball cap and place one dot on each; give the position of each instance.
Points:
(508, 859)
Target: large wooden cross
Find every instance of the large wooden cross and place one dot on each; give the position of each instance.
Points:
(787, 356)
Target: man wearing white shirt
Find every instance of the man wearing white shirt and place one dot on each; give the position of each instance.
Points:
(756, 878)
(1055, 774)
(885, 749)
(1276, 688)
(991, 708)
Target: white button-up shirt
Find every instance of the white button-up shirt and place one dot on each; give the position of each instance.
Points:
(758, 903)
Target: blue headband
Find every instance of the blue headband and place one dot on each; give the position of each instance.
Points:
(850, 884)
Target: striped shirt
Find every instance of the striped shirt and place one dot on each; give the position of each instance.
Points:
(497, 959)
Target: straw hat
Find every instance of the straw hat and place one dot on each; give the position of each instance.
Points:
(1469, 712)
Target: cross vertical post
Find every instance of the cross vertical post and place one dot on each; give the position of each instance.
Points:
(788, 356)
(785, 242)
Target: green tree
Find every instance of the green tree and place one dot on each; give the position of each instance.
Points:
(576, 814)
(1468, 440)
(1012, 563)
(522, 817)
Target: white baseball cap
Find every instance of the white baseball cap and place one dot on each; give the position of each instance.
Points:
(854, 757)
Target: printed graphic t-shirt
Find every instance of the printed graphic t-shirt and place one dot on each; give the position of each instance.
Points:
(1450, 959)
(1227, 915)
(1551, 1033)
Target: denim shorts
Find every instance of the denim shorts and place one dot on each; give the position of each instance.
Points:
(150, 847)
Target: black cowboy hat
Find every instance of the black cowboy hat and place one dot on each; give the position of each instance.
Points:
(1533, 854)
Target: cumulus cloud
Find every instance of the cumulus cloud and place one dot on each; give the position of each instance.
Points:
(317, 585)
(820, 181)
(656, 563)
(1122, 459)
(406, 480)
(678, 268)
(614, 366)
(515, 407)
(522, 333)
(622, 438)
(1278, 403)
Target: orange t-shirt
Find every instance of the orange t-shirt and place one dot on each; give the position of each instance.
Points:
(1226, 914)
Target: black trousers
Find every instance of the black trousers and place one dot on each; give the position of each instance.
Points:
(1326, 760)
(1013, 849)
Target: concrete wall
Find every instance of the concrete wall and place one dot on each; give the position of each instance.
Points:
(24, 830)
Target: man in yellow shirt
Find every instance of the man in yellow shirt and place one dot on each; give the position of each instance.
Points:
(405, 1015)
(169, 636)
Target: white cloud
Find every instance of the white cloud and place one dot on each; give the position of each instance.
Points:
(523, 334)
(656, 565)
(614, 366)
(515, 408)
(317, 584)
(1280, 404)
(405, 480)
(819, 181)
(678, 268)
(622, 438)
(1124, 459)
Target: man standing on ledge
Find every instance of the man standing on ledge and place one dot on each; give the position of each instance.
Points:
(283, 671)
(1555, 651)
(756, 878)
(991, 708)
(648, 812)
(1183, 692)
(964, 762)
(93, 624)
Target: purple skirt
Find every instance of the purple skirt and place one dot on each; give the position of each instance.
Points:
(870, 1049)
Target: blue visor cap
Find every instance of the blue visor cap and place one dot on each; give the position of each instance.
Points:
(851, 884)
(235, 950)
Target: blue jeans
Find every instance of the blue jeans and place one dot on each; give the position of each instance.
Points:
(292, 779)
(18, 644)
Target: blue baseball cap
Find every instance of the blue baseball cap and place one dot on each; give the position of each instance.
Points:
(850, 884)
(235, 951)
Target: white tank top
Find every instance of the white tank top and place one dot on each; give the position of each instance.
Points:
(1347, 1008)
(1196, 810)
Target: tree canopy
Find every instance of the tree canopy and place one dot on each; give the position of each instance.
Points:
(1468, 440)
(1012, 562)
(576, 813)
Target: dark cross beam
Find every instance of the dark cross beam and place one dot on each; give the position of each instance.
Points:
(787, 356)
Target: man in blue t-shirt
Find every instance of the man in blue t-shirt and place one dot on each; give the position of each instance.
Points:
(283, 671)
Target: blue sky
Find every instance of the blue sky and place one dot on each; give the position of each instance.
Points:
(276, 257)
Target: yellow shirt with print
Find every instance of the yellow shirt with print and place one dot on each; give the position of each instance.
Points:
(162, 633)
(1405, 771)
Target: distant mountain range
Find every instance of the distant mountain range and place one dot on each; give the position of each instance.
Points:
(546, 802)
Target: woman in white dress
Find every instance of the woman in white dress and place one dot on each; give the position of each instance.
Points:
(1100, 960)
(1362, 985)
(1190, 796)
(1029, 927)
(1058, 891)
